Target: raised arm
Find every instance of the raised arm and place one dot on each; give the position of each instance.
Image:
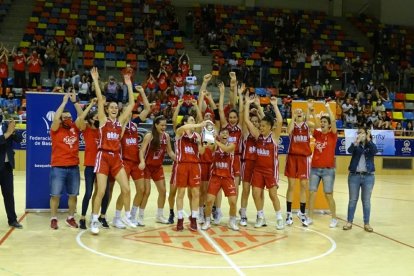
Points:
(128, 109)
(72, 97)
(80, 120)
(198, 110)
(259, 108)
(310, 112)
(233, 92)
(206, 79)
(176, 112)
(332, 117)
(279, 120)
(240, 91)
(292, 122)
(252, 129)
(99, 97)
(223, 119)
(147, 107)
(56, 119)
(180, 131)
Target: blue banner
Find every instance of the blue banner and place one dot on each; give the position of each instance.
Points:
(41, 109)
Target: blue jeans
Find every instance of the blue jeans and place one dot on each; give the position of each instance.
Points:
(61, 178)
(327, 175)
(366, 184)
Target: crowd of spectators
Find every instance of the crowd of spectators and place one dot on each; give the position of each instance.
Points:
(360, 90)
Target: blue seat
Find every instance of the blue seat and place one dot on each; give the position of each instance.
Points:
(261, 91)
(409, 115)
(388, 105)
(339, 124)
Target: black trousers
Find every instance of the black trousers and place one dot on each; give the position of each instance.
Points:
(7, 189)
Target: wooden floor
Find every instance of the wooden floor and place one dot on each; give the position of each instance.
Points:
(157, 250)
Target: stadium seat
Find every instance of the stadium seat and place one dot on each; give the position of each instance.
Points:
(409, 105)
(399, 105)
(397, 115)
(409, 97)
(388, 105)
(399, 96)
(408, 115)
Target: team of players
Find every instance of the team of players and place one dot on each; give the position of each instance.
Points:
(245, 149)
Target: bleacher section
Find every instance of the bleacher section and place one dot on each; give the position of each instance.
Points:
(326, 34)
(4, 8)
(61, 20)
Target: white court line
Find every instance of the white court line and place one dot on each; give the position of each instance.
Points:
(219, 250)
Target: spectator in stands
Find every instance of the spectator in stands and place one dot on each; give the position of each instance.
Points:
(339, 112)
(383, 92)
(409, 129)
(315, 65)
(151, 86)
(365, 73)
(350, 119)
(178, 81)
(74, 79)
(60, 78)
(384, 122)
(10, 105)
(380, 106)
(112, 90)
(408, 77)
(184, 64)
(357, 69)
(266, 64)
(19, 67)
(307, 88)
(378, 68)
(351, 90)
(190, 82)
(393, 72)
(346, 68)
(300, 58)
(84, 87)
(328, 69)
(327, 89)
(73, 53)
(51, 58)
(189, 24)
(285, 87)
(35, 68)
(317, 90)
(4, 69)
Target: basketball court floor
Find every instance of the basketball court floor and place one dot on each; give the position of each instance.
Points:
(157, 249)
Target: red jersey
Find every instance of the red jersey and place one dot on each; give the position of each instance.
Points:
(179, 81)
(186, 148)
(173, 99)
(4, 70)
(162, 82)
(185, 68)
(300, 140)
(19, 63)
(65, 146)
(110, 136)
(267, 155)
(129, 143)
(249, 148)
(324, 152)
(155, 157)
(91, 138)
(223, 163)
(207, 157)
(235, 135)
(35, 65)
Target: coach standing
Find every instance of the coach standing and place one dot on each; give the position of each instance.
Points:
(7, 136)
(64, 172)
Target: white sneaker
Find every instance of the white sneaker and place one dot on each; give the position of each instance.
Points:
(95, 227)
(218, 218)
(334, 223)
(161, 219)
(140, 221)
(279, 224)
(309, 221)
(289, 219)
(118, 223)
(134, 221)
(233, 225)
(243, 221)
(303, 219)
(201, 218)
(206, 225)
(260, 222)
(128, 222)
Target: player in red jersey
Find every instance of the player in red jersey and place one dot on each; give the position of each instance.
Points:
(266, 169)
(88, 123)
(323, 164)
(154, 146)
(188, 147)
(233, 124)
(298, 160)
(130, 157)
(109, 160)
(222, 177)
(249, 156)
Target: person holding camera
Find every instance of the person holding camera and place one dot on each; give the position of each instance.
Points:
(361, 176)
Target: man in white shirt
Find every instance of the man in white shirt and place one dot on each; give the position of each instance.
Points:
(191, 81)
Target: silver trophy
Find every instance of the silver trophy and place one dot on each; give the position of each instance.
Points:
(208, 133)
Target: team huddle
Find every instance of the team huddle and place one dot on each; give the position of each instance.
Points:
(217, 148)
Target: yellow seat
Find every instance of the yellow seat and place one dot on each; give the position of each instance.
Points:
(49, 4)
(259, 13)
(397, 115)
(121, 64)
(34, 19)
(73, 16)
(42, 26)
(249, 62)
(308, 65)
(128, 19)
(120, 36)
(409, 97)
(223, 15)
(119, 14)
(99, 55)
(157, 32)
(337, 42)
(24, 44)
(65, 10)
(178, 39)
(94, 3)
(91, 23)
(60, 33)
(243, 21)
(101, 8)
(274, 71)
(237, 54)
(89, 47)
(340, 54)
(257, 43)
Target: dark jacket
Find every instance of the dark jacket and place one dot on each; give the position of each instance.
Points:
(369, 150)
(6, 146)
